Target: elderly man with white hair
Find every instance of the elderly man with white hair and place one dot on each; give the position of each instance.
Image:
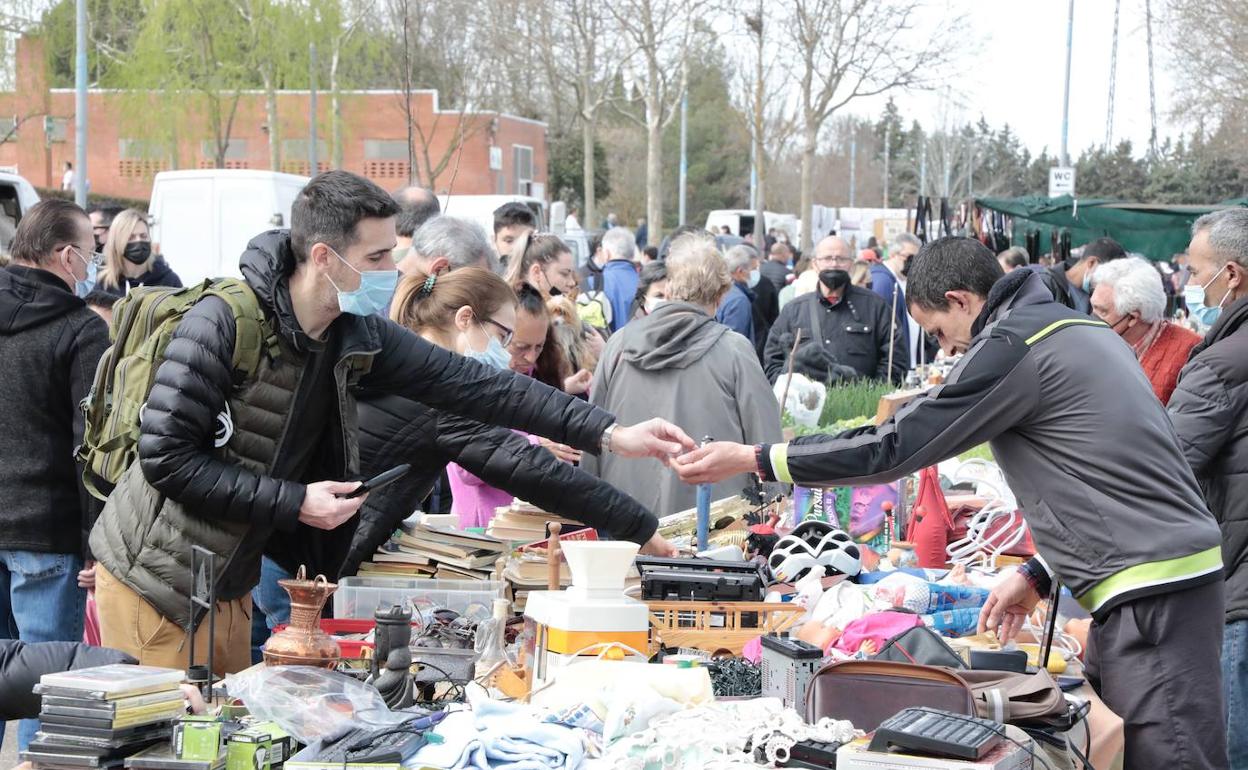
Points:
(1130, 298)
(619, 274)
(736, 309)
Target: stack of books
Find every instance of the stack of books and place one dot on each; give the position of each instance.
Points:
(96, 717)
(528, 571)
(437, 552)
(524, 523)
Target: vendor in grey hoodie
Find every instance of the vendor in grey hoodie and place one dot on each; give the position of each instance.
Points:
(1087, 448)
(680, 363)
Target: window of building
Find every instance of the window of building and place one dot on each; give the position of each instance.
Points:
(140, 158)
(235, 154)
(295, 156)
(386, 159)
(522, 159)
(8, 129)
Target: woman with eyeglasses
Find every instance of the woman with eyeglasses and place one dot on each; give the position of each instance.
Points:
(473, 312)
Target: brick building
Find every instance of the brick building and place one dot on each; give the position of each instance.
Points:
(500, 154)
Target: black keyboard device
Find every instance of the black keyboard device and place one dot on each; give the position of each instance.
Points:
(943, 733)
(380, 745)
(812, 755)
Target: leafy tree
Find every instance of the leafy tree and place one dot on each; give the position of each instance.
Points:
(567, 180)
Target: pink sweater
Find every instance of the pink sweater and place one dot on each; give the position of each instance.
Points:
(472, 500)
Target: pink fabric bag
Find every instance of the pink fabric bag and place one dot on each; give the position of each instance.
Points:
(877, 627)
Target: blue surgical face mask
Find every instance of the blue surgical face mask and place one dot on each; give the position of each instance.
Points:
(373, 295)
(755, 276)
(83, 288)
(1194, 296)
(494, 355)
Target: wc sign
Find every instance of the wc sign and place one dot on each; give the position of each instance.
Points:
(1061, 181)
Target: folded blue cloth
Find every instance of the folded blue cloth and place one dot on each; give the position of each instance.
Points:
(502, 736)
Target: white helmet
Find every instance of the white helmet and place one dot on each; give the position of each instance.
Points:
(814, 545)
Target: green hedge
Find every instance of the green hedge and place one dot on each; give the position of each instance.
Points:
(95, 199)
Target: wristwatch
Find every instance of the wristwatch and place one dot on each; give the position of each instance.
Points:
(605, 443)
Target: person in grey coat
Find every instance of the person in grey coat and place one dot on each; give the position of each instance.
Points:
(680, 363)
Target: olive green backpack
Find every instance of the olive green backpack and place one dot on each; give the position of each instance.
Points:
(143, 324)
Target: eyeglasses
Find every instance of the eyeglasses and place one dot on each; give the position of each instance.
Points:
(508, 334)
(95, 257)
(834, 260)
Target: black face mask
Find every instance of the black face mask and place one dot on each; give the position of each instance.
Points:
(834, 280)
(138, 252)
(905, 267)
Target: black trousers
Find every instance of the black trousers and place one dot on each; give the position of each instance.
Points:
(1155, 661)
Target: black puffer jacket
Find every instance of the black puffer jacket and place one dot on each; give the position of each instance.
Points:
(1209, 410)
(394, 430)
(231, 499)
(23, 663)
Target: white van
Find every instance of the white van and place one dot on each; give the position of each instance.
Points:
(480, 209)
(202, 220)
(17, 196)
(740, 222)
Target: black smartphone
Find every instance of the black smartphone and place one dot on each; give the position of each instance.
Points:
(378, 481)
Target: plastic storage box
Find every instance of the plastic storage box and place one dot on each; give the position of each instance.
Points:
(360, 597)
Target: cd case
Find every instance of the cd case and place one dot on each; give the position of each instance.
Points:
(161, 757)
(104, 708)
(113, 679)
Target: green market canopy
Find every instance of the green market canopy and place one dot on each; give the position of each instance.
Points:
(1154, 230)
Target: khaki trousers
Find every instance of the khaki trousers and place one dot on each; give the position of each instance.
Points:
(128, 623)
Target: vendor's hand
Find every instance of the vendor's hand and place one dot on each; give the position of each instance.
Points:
(323, 509)
(562, 451)
(655, 438)
(715, 462)
(1007, 607)
(658, 546)
(578, 383)
(86, 576)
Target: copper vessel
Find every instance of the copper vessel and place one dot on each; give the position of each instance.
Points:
(302, 642)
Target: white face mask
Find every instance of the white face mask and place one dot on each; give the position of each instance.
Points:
(653, 303)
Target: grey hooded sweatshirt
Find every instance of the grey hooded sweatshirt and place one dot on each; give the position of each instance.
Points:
(1086, 447)
(680, 364)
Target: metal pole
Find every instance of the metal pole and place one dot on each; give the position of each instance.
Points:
(80, 104)
(684, 149)
(753, 175)
(312, 141)
(923, 168)
(1070, 36)
(888, 141)
(853, 156)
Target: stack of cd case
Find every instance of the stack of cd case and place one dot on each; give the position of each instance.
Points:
(96, 717)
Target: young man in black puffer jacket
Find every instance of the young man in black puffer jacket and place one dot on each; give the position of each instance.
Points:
(227, 459)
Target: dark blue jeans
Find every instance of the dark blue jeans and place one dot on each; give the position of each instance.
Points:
(40, 601)
(270, 605)
(1235, 685)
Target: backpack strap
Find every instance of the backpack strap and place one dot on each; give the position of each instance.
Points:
(254, 337)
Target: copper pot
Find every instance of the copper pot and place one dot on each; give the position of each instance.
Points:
(302, 642)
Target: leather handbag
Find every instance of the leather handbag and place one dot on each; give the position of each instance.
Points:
(866, 692)
(1005, 696)
(920, 645)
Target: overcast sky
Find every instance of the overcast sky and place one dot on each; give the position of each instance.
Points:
(1013, 73)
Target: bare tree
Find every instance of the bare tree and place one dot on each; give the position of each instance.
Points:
(453, 68)
(591, 59)
(662, 32)
(849, 49)
(769, 105)
(1207, 36)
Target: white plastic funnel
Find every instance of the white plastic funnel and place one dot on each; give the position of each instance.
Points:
(598, 568)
